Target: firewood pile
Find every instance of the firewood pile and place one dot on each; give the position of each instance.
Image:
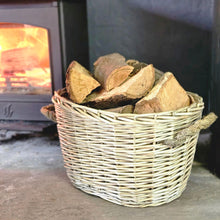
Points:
(124, 86)
(118, 157)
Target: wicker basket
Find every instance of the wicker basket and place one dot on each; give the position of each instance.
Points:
(128, 159)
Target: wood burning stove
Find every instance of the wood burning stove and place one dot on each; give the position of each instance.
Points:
(38, 39)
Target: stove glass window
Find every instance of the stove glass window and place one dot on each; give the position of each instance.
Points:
(24, 59)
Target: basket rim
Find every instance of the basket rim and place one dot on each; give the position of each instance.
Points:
(197, 104)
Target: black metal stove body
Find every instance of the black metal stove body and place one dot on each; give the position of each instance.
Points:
(66, 24)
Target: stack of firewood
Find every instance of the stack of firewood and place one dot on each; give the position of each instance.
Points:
(124, 86)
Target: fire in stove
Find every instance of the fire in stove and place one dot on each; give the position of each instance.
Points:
(24, 59)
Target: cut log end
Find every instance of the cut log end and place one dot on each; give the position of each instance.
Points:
(142, 83)
(118, 76)
(111, 70)
(166, 95)
(79, 82)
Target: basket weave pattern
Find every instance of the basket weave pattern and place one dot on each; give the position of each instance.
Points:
(122, 158)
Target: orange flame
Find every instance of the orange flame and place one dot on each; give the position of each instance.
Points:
(24, 58)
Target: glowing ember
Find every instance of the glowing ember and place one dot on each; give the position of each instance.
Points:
(24, 59)
(2, 84)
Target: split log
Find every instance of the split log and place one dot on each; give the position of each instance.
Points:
(166, 95)
(138, 65)
(79, 82)
(134, 88)
(111, 70)
(122, 109)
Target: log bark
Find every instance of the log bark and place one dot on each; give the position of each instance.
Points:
(166, 95)
(134, 88)
(111, 70)
(79, 82)
(137, 66)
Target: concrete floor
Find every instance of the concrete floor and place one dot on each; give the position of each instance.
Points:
(34, 185)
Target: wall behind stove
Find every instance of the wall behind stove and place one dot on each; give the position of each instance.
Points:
(173, 35)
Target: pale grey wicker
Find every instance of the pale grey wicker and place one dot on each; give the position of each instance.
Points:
(128, 159)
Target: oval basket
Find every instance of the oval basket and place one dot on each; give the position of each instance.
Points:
(128, 159)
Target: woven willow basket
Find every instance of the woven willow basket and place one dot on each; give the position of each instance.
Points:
(128, 159)
(134, 160)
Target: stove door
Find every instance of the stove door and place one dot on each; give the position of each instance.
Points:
(24, 60)
(30, 61)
